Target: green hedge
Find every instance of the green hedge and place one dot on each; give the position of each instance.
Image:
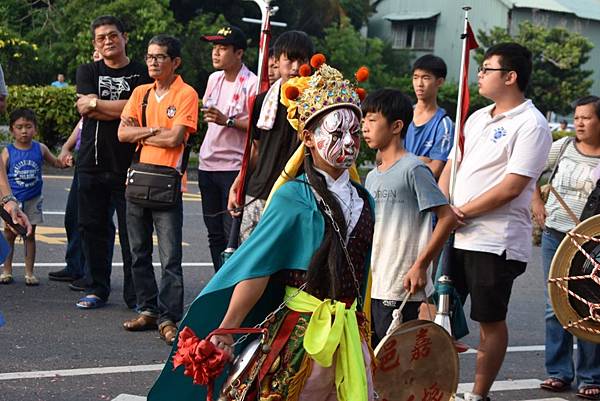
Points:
(54, 108)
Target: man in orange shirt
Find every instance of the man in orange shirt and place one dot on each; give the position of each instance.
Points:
(171, 116)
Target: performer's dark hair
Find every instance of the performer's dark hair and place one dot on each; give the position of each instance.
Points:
(392, 104)
(25, 114)
(594, 100)
(106, 20)
(172, 44)
(432, 64)
(296, 45)
(327, 264)
(514, 57)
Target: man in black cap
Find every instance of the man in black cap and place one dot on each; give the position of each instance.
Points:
(225, 109)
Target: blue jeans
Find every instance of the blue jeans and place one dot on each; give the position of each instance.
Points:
(165, 302)
(214, 188)
(559, 342)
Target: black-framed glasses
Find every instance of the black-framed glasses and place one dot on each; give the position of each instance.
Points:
(485, 70)
(160, 58)
(112, 36)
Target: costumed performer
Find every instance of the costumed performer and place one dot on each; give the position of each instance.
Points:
(307, 260)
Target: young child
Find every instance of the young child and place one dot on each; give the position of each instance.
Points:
(430, 134)
(23, 160)
(405, 194)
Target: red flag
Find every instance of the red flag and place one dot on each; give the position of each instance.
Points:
(464, 102)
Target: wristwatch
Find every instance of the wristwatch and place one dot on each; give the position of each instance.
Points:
(93, 103)
(230, 122)
(7, 198)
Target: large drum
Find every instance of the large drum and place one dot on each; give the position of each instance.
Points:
(417, 361)
(574, 281)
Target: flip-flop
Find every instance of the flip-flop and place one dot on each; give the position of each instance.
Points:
(581, 392)
(555, 384)
(31, 280)
(90, 303)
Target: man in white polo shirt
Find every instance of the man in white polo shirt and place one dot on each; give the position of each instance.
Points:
(506, 146)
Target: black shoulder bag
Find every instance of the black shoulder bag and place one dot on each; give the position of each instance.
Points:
(154, 186)
(592, 206)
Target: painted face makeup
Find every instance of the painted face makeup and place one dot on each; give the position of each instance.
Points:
(337, 138)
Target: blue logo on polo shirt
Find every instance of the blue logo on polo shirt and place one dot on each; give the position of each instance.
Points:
(498, 134)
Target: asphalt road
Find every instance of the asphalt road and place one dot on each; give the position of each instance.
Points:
(50, 350)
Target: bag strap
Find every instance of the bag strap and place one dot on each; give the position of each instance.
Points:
(559, 198)
(186, 150)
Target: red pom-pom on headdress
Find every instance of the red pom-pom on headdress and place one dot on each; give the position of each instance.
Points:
(362, 74)
(317, 60)
(362, 93)
(292, 93)
(304, 70)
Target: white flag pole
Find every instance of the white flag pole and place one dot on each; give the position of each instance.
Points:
(457, 156)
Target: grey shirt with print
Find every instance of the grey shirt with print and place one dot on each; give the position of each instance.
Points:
(404, 195)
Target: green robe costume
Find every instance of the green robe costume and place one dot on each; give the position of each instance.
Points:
(287, 236)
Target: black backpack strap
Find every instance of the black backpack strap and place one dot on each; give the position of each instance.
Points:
(138, 150)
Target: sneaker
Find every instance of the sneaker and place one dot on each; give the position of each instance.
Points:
(61, 275)
(78, 285)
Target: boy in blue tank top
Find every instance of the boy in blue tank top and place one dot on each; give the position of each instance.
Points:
(23, 159)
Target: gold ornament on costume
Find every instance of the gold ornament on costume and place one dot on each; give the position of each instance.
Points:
(308, 96)
(224, 31)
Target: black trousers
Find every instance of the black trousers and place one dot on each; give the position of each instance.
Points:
(100, 194)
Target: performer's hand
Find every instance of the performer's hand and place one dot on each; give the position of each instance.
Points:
(213, 115)
(232, 203)
(538, 210)
(225, 342)
(415, 279)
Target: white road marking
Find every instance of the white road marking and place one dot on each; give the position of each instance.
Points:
(522, 348)
(62, 264)
(129, 397)
(80, 372)
(504, 385)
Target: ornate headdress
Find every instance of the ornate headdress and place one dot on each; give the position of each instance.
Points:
(308, 96)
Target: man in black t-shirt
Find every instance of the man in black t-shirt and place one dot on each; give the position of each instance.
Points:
(273, 138)
(103, 88)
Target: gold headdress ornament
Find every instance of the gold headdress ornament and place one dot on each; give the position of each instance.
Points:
(308, 96)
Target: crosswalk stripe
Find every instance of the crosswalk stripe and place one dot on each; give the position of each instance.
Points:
(129, 397)
(504, 385)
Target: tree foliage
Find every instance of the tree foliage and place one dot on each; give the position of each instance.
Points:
(558, 56)
(53, 108)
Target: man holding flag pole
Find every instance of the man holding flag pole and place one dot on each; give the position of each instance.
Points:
(497, 158)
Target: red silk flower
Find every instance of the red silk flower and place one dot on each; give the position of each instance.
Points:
(292, 93)
(317, 60)
(362, 93)
(304, 70)
(201, 359)
(362, 74)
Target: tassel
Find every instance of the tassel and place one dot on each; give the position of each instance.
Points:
(299, 379)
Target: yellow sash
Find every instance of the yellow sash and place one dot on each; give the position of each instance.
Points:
(322, 339)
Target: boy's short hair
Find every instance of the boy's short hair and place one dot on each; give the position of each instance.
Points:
(593, 100)
(172, 44)
(107, 20)
(514, 57)
(296, 45)
(26, 114)
(432, 64)
(392, 104)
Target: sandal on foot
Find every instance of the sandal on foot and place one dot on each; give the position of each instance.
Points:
(555, 384)
(31, 280)
(90, 302)
(168, 332)
(582, 392)
(6, 278)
